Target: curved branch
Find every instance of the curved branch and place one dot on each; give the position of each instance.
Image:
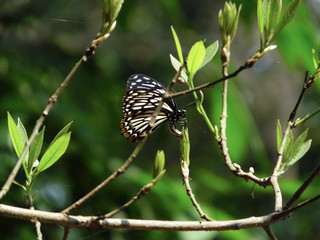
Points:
(113, 223)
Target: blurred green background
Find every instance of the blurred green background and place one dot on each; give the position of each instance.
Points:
(40, 41)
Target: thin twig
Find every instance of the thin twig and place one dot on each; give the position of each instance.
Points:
(37, 225)
(304, 88)
(142, 192)
(234, 168)
(207, 85)
(113, 176)
(38, 230)
(269, 232)
(185, 176)
(66, 233)
(303, 187)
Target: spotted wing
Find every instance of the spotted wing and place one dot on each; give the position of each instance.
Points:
(138, 107)
(140, 101)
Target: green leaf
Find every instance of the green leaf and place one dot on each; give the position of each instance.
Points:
(267, 18)
(279, 135)
(288, 147)
(275, 11)
(195, 57)
(299, 152)
(287, 17)
(22, 131)
(260, 15)
(54, 152)
(178, 45)
(24, 138)
(299, 147)
(315, 58)
(111, 9)
(210, 52)
(35, 149)
(62, 132)
(300, 140)
(158, 163)
(235, 24)
(15, 136)
(176, 65)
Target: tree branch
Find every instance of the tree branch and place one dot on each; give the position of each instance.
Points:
(269, 232)
(91, 222)
(185, 177)
(142, 192)
(303, 187)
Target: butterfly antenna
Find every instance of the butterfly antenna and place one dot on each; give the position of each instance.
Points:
(190, 104)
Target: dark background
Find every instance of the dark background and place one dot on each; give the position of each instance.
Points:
(40, 41)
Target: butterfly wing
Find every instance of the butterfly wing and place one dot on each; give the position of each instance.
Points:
(138, 107)
(140, 101)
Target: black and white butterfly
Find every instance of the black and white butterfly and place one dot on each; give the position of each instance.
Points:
(142, 96)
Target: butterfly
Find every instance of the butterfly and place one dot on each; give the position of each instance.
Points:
(142, 97)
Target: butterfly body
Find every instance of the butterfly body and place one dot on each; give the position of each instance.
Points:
(142, 96)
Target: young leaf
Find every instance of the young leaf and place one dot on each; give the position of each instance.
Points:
(63, 131)
(288, 147)
(35, 149)
(195, 57)
(300, 140)
(279, 135)
(260, 15)
(275, 10)
(178, 46)
(54, 152)
(176, 65)
(158, 163)
(210, 52)
(287, 17)
(22, 131)
(15, 136)
(299, 152)
(267, 18)
(185, 147)
(315, 58)
(235, 24)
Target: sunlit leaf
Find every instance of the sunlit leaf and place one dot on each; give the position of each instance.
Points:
(210, 53)
(195, 57)
(275, 11)
(260, 15)
(287, 17)
(279, 135)
(300, 139)
(299, 152)
(54, 152)
(15, 136)
(176, 65)
(159, 163)
(235, 24)
(178, 45)
(35, 149)
(288, 146)
(22, 131)
(62, 132)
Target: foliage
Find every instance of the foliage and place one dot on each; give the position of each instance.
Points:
(93, 101)
(31, 165)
